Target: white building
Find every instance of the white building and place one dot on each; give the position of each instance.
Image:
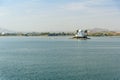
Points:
(3, 33)
(81, 33)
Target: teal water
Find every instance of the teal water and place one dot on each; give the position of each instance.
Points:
(59, 58)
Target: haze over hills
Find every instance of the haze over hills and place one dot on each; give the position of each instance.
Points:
(90, 30)
(6, 30)
(98, 30)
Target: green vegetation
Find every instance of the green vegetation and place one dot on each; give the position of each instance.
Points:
(38, 34)
(109, 33)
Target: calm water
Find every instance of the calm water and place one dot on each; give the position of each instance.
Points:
(60, 58)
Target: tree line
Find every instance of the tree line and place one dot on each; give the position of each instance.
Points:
(109, 33)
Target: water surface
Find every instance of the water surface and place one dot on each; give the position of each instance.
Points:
(59, 58)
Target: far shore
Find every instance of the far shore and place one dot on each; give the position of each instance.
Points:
(94, 34)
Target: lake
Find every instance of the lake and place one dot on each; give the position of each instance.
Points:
(59, 58)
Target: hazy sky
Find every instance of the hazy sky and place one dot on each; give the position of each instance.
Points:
(59, 15)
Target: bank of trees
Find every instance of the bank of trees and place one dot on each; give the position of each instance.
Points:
(110, 33)
(38, 34)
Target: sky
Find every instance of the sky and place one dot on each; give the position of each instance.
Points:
(59, 15)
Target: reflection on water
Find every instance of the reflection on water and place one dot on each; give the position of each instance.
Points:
(60, 58)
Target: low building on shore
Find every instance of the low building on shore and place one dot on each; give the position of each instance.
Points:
(81, 34)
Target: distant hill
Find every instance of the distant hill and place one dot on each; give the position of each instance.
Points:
(102, 32)
(94, 30)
